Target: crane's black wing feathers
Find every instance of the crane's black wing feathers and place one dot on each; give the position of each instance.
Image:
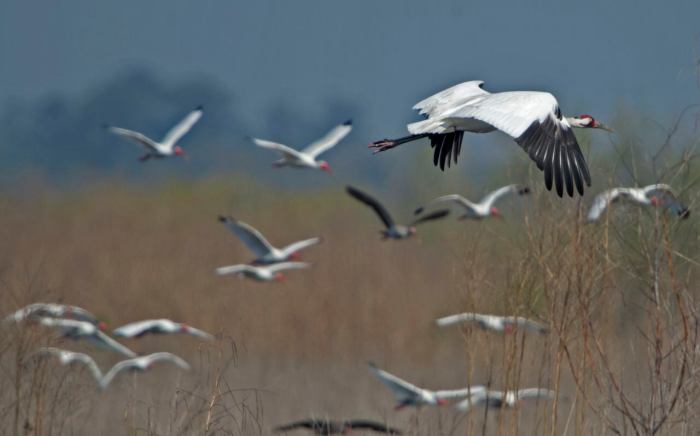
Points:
(553, 147)
(371, 425)
(442, 213)
(446, 145)
(374, 204)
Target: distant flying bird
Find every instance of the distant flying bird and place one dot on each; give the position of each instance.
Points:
(68, 358)
(326, 427)
(484, 208)
(393, 230)
(307, 158)
(77, 330)
(168, 146)
(262, 273)
(266, 253)
(501, 400)
(141, 363)
(501, 324)
(408, 394)
(652, 195)
(37, 311)
(158, 326)
(532, 118)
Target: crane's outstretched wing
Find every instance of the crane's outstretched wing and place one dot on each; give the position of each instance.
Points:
(250, 236)
(299, 245)
(456, 319)
(282, 266)
(401, 388)
(374, 204)
(234, 269)
(534, 120)
(102, 340)
(455, 198)
(371, 425)
(438, 214)
(307, 423)
(459, 393)
(534, 393)
(69, 357)
(450, 98)
(281, 148)
(135, 136)
(141, 364)
(181, 128)
(496, 195)
(330, 140)
(526, 324)
(603, 200)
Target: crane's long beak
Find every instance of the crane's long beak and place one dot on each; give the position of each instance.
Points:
(604, 127)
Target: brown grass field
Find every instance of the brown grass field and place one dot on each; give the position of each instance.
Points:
(620, 296)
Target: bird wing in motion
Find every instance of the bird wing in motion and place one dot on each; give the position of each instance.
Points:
(299, 245)
(141, 364)
(603, 200)
(235, 269)
(371, 425)
(455, 198)
(456, 319)
(534, 393)
(287, 265)
(374, 204)
(534, 120)
(432, 216)
(181, 128)
(329, 140)
(102, 340)
(135, 136)
(250, 236)
(401, 388)
(68, 357)
(459, 393)
(496, 195)
(478, 398)
(450, 97)
(286, 151)
(140, 328)
(527, 324)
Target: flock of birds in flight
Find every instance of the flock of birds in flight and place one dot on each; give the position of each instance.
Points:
(532, 119)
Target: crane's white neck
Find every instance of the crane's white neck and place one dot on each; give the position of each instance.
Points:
(578, 122)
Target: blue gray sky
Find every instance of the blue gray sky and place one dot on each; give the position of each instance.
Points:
(381, 55)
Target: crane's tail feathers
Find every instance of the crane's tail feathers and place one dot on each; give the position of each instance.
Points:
(387, 144)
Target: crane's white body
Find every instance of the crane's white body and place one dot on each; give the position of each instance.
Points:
(77, 330)
(531, 118)
(500, 400)
(308, 157)
(266, 273)
(158, 326)
(168, 145)
(657, 194)
(500, 324)
(265, 252)
(408, 394)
